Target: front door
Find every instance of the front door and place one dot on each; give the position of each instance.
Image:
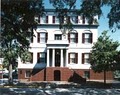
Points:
(57, 57)
(57, 75)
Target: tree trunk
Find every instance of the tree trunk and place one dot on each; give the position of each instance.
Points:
(10, 74)
(104, 77)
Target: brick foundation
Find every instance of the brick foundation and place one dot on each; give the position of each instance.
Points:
(62, 74)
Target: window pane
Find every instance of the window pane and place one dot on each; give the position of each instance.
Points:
(42, 55)
(42, 37)
(72, 35)
(87, 35)
(58, 37)
(86, 55)
(27, 74)
(72, 55)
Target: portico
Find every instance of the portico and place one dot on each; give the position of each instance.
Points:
(56, 57)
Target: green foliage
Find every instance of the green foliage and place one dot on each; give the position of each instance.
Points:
(17, 17)
(90, 8)
(103, 53)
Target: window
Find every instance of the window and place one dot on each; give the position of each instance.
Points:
(73, 37)
(83, 19)
(58, 37)
(42, 37)
(27, 74)
(87, 38)
(73, 57)
(86, 74)
(41, 57)
(45, 19)
(75, 19)
(85, 58)
(55, 20)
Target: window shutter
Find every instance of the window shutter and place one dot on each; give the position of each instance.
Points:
(45, 57)
(68, 58)
(31, 61)
(76, 19)
(38, 57)
(46, 19)
(46, 37)
(83, 19)
(91, 37)
(83, 37)
(76, 58)
(38, 19)
(53, 19)
(82, 58)
(38, 37)
(69, 37)
(76, 37)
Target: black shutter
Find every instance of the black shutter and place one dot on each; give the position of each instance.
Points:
(45, 57)
(38, 19)
(46, 19)
(38, 37)
(83, 37)
(83, 19)
(76, 38)
(82, 58)
(53, 19)
(69, 37)
(91, 37)
(31, 61)
(38, 57)
(76, 19)
(76, 58)
(46, 37)
(68, 58)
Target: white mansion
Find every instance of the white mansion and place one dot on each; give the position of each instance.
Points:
(57, 56)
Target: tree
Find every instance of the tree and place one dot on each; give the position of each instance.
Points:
(91, 8)
(17, 17)
(103, 54)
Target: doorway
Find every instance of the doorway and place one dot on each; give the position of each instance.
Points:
(57, 57)
(57, 75)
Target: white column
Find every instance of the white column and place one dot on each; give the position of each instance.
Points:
(48, 63)
(61, 64)
(53, 58)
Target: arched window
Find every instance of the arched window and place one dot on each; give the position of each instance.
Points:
(87, 37)
(73, 37)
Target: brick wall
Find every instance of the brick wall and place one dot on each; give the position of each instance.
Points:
(65, 74)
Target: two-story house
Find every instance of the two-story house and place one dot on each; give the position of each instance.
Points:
(57, 56)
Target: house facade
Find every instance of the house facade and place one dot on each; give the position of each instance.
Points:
(58, 56)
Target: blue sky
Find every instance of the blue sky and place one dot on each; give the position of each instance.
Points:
(103, 22)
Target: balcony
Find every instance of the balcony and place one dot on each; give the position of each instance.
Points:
(57, 42)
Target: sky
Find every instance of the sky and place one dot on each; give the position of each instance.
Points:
(103, 22)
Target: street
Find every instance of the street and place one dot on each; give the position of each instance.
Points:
(58, 91)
